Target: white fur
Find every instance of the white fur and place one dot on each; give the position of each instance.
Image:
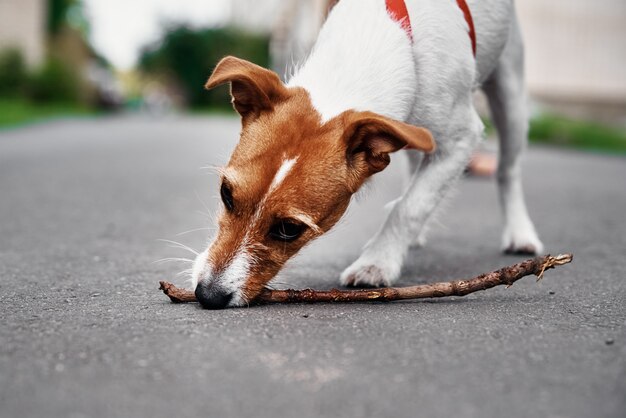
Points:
(279, 177)
(200, 268)
(282, 172)
(235, 275)
(232, 277)
(364, 60)
(308, 221)
(349, 65)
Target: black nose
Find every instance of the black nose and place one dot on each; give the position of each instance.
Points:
(212, 296)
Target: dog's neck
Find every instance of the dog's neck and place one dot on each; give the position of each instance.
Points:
(362, 60)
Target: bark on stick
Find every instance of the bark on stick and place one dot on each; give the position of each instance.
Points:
(505, 276)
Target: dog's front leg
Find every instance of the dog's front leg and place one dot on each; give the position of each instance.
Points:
(382, 258)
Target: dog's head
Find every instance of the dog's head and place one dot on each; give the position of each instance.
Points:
(289, 179)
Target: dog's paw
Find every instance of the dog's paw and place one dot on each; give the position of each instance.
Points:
(522, 243)
(366, 273)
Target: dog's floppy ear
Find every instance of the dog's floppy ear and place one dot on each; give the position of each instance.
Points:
(369, 138)
(253, 89)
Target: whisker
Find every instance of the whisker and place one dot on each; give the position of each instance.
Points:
(206, 207)
(195, 230)
(204, 214)
(280, 283)
(212, 168)
(184, 272)
(179, 245)
(179, 259)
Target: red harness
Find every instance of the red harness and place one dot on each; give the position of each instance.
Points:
(398, 12)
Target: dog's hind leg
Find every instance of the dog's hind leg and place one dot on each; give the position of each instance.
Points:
(506, 93)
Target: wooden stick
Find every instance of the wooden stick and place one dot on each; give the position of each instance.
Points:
(505, 276)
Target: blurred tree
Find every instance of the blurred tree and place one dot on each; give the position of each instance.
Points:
(70, 57)
(54, 82)
(188, 55)
(13, 73)
(58, 14)
(67, 24)
(64, 15)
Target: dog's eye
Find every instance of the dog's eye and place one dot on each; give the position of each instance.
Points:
(286, 231)
(227, 197)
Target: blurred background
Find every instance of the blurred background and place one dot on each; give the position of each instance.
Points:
(85, 57)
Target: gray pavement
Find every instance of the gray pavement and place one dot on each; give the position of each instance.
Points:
(85, 333)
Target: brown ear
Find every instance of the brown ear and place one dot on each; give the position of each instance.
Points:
(253, 89)
(370, 138)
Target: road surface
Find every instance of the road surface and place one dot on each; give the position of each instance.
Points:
(85, 333)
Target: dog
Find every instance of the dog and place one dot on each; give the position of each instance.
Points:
(383, 76)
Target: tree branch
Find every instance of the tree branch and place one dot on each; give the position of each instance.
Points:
(505, 276)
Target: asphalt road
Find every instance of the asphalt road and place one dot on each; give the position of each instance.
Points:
(85, 333)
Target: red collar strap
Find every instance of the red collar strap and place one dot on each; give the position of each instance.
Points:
(398, 12)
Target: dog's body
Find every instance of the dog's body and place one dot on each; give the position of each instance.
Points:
(366, 65)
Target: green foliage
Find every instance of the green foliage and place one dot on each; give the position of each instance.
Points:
(563, 131)
(66, 13)
(13, 74)
(188, 55)
(18, 111)
(75, 17)
(57, 14)
(54, 82)
(577, 133)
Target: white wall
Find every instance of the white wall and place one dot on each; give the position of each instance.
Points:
(257, 15)
(575, 49)
(22, 26)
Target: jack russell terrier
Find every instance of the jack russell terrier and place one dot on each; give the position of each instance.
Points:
(384, 75)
